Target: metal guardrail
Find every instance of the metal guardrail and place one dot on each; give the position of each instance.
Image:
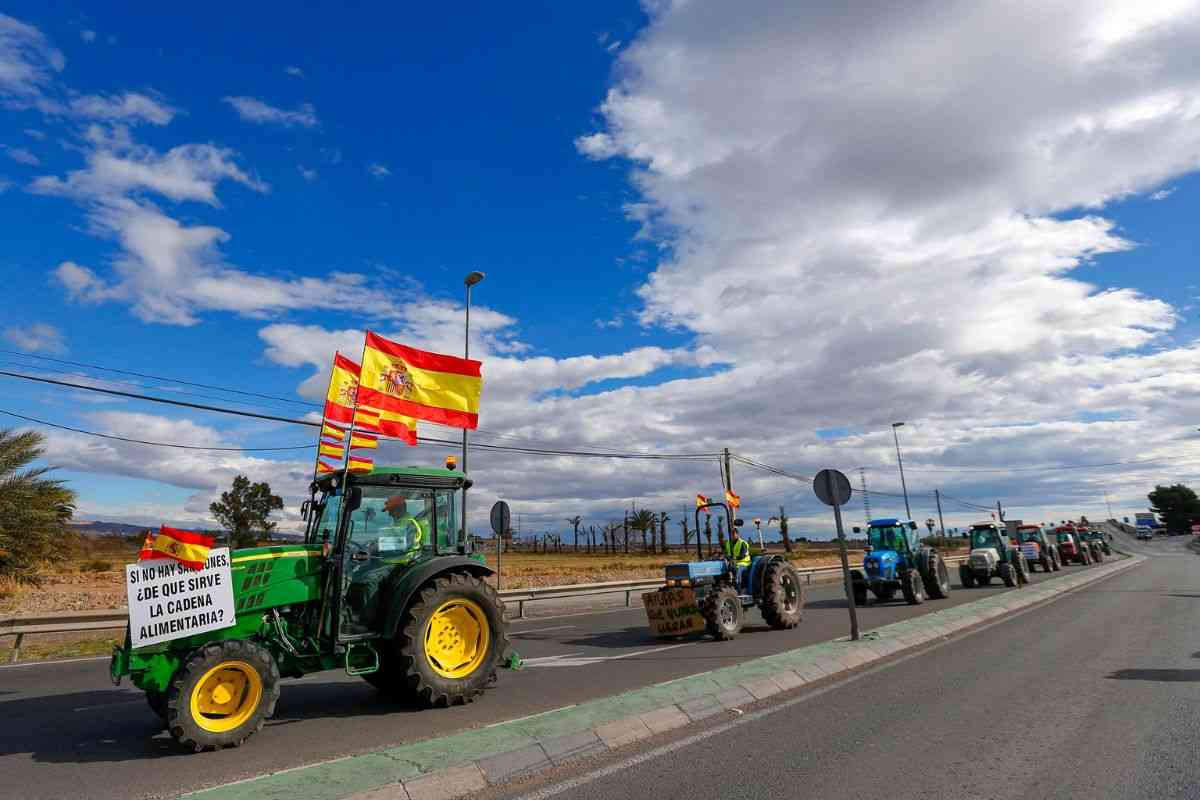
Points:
(112, 619)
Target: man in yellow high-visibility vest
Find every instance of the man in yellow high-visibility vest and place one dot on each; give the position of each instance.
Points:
(737, 550)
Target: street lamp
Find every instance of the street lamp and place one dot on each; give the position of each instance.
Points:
(899, 461)
(469, 281)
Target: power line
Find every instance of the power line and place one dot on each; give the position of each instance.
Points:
(153, 444)
(424, 439)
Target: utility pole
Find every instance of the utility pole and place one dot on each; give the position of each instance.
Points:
(862, 481)
(900, 461)
(728, 472)
(937, 495)
(1107, 503)
(999, 511)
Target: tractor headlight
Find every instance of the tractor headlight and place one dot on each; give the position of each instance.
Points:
(672, 582)
(685, 582)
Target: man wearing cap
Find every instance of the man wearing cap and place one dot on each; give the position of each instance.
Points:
(737, 551)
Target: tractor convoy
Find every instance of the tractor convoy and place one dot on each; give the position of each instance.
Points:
(386, 587)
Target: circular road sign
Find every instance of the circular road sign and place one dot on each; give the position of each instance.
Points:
(831, 487)
(501, 518)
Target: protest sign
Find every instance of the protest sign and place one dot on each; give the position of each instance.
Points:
(673, 612)
(170, 601)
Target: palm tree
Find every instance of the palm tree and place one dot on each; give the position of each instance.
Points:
(574, 523)
(662, 530)
(644, 521)
(34, 510)
(687, 535)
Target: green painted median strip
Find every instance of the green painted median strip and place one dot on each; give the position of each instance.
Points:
(345, 777)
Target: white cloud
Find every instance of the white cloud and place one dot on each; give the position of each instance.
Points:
(251, 109)
(88, 36)
(294, 71)
(22, 156)
(1162, 194)
(308, 173)
(28, 62)
(125, 107)
(36, 338)
(378, 170)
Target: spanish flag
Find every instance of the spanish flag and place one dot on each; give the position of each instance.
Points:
(405, 381)
(732, 499)
(332, 450)
(322, 467)
(701, 500)
(147, 550)
(186, 547)
(343, 386)
(360, 464)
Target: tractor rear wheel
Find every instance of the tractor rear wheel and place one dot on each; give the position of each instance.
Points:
(723, 613)
(858, 585)
(936, 577)
(1008, 574)
(1047, 563)
(966, 577)
(222, 695)
(450, 641)
(782, 595)
(1099, 556)
(913, 587)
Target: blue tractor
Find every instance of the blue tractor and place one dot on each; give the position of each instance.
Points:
(896, 560)
(723, 592)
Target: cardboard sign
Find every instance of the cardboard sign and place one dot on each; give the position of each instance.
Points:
(673, 612)
(170, 601)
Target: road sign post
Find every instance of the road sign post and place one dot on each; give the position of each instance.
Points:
(501, 519)
(833, 489)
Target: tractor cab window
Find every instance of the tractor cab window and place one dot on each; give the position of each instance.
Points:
(322, 525)
(1064, 537)
(396, 523)
(982, 538)
(890, 537)
(1028, 535)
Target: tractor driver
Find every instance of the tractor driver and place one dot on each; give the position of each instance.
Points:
(737, 551)
(413, 528)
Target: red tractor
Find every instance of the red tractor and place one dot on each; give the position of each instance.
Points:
(1070, 547)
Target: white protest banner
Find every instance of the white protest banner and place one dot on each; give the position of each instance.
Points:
(170, 601)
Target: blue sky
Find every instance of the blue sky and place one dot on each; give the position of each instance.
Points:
(698, 232)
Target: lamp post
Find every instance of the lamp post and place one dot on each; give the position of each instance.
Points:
(900, 461)
(469, 281)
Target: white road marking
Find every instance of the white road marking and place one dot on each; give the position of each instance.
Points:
(543, 630)
(52, 663)
(569, 660)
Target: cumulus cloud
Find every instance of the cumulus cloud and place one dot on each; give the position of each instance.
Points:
(28, 62)
(251, 109)
(36, 338)
(124, 107)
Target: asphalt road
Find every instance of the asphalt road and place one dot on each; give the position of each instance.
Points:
(67, 732)
(1094, 695)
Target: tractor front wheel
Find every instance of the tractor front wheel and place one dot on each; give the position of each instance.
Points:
(222, 695)
(1008, 574)
(723, 613)
(966, 577)
(913, 587)
(782, 595)
(450, 641)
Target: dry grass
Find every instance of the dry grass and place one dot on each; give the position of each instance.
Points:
(74, 645)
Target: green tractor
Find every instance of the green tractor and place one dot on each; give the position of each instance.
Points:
(385, 587)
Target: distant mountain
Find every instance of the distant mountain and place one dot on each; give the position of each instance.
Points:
(92, 527)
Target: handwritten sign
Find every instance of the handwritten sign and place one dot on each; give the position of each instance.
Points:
(673, 612)
(169, 601)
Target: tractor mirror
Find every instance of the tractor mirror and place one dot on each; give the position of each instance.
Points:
(857, 529)
(353, 498)
(738, 522)
(304, 510)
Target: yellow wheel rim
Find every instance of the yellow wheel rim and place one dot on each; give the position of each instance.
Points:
(457, 638)
(226, 696)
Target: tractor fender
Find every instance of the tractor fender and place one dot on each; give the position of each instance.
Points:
(403, 591)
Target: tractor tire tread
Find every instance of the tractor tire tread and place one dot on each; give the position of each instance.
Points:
(772, 605)
(178, 705)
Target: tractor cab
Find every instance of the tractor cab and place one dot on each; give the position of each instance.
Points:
(1029, 533)
(891, 544)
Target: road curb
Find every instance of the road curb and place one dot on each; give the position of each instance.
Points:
(466, 762)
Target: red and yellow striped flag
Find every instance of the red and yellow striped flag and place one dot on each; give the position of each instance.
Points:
(322, 467)
(360, 464)
(386, 423)
(401, 380)
(331, 431)
(363, 441)
(331, 450)
(187, 547)
(147, 550)
(701, 500)
(343, 386)
(732, 499)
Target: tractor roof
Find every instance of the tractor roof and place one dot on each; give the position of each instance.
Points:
(884, 522)
(422, 477)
